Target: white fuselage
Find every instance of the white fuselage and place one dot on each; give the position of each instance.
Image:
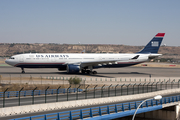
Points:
(54, 60)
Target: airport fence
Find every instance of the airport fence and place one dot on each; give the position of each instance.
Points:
(25, 93)
(110, 111)
(90, 92)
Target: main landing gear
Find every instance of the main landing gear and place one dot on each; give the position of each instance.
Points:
(88, 71)
(22, 70)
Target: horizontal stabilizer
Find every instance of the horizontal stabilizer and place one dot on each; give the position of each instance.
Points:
(136, 57)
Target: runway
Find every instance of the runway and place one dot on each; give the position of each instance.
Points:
(6, 71)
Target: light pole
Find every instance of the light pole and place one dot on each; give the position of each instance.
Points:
(158, 97)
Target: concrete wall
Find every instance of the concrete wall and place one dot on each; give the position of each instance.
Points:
(154, 115)
(169, 112)
(7, 111)
(164, 114)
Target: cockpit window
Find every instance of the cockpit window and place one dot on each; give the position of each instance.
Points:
(11, 58)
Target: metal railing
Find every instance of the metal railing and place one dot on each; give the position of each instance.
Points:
(102, 110)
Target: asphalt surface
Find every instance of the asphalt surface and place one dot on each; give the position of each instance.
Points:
(6, 71)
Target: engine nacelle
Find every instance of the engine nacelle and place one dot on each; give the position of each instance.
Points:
(62, 68)
(73, 68)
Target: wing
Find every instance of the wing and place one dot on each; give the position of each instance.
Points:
(98, 63)
(101, 62)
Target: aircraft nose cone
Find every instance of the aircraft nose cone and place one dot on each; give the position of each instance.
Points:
(6, 61)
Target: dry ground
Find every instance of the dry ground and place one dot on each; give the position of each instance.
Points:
(17, 87)
(2, 62)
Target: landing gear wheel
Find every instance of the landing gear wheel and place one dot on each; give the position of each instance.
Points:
(94, 72)
(89, 72)
(83, 71)
(23, 72)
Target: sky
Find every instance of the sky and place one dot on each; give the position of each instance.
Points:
(128, 22)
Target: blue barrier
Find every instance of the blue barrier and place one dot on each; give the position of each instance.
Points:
(105, 112)
(37, 92)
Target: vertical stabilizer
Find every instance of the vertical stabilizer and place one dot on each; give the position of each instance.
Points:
(154, 44)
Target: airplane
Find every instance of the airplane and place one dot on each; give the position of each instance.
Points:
(75, 63)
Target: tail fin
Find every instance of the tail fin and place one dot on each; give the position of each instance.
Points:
(154, 44)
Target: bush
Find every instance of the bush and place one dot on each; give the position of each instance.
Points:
(11, 45)
(74, 80)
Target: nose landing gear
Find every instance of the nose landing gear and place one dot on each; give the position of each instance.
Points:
(94, 72)
(22, 70)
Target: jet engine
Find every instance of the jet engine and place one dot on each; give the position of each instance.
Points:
(73, 68)
(62, 68)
